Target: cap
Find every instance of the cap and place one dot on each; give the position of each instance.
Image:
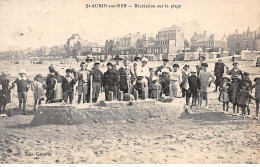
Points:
(176, 65)
(204, 64)
(245, 73)
(118, 57)
(89, 58)
(109, 64)
(165, 59)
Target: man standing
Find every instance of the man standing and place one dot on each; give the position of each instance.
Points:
(82, 77)
(235, 70)
(218, 72)
(125, 75)
(118, 63)
(165, 65)
(97, 81)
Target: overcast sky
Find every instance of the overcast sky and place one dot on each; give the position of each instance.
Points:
(51, 22)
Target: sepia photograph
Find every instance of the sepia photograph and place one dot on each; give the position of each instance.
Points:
(129, 82)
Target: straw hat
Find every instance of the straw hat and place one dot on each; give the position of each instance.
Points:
(227, 76)
(145, 60)
(154, 78)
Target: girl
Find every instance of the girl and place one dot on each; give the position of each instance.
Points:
(4, 93)
(38, 90)
(224, 88)
(58, 93)
(257, 93)
(244, 98)
(233, 92)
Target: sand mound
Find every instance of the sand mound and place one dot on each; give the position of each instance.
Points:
(106, 112)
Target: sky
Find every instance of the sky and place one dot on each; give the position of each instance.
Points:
(49, 22)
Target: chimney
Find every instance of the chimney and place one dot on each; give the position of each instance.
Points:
(236, 31)
(212, 36)
(205, 32)
(195, 33)
(129, 33)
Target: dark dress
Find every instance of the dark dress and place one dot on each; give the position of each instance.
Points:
(50, 82)
(4, 92)
(218, 72)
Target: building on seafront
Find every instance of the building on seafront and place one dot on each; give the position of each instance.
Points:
(208, 43)
(248, 40)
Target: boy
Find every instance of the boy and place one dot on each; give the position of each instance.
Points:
(82, 77)
(97, 81)
(165, 65)
(141, 85)
(244, 98)
(204, 84)
(185, 83)
(165, 82)
(4, 93)
(23, 85)
(194, 84)
(155, 88)
(233, 92)
(67, 86)
(110, 81)
(125, 75)
(175, 81)
(250, 84)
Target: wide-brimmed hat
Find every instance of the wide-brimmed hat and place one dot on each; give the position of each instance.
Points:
(226, 76)
(204, 64)
(118, 57)
(22, 71)
(145, 60)
(89, 58)
(256, 78)
(97, 62)
(137, 57)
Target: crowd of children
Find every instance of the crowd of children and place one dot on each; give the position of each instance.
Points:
(192, 83)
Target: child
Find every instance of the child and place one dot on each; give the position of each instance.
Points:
(223, 95)
(247, 80)
(4, 93)
(38, 91)
(23, 85)
(185, 83)
(165, 82)
(256, 86)
(97, 81)
(155, 88)
(233, 92)
(175, 81)
(110, 81)
(67, 86)
(141, 85)
(82, 77)
(152, 74)
(244, 98)
(58, 93)
(194, 85)
(204, 83)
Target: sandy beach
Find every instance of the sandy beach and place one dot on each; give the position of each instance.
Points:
(206, 136)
